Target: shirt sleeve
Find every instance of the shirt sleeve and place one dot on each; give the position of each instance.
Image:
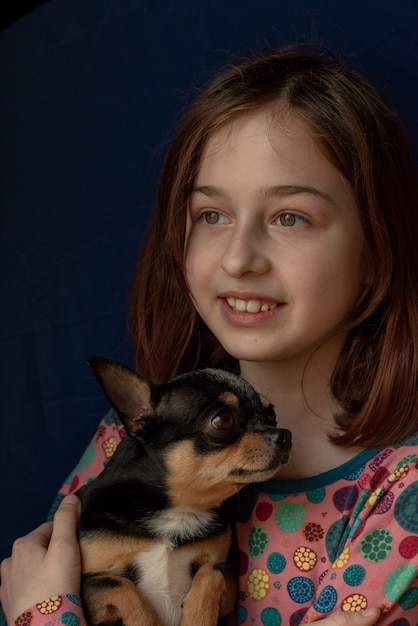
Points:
(56, 611)
(95, 458)
(378, 562)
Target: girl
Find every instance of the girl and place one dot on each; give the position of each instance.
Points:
(283, 245)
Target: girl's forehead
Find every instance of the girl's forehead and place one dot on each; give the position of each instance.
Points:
(270, 146)
(255, 127)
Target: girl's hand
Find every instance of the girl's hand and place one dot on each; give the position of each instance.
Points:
(367, 617)
(44, 563)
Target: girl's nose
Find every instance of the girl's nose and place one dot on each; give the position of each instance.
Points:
(245, 252)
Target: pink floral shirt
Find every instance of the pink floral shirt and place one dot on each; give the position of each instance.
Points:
(340, 541)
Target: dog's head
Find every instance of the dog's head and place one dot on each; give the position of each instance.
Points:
(214, 432)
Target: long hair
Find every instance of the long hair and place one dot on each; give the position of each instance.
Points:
(376, 376)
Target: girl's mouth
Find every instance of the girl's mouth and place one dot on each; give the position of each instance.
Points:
(249, 306)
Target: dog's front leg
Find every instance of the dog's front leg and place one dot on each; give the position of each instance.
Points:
(211, 596)
(110, 600)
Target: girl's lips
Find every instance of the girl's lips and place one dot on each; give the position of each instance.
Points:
(249, 312)
(253, 305)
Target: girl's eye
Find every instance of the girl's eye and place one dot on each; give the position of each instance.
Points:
(213, 217)
(290, 219)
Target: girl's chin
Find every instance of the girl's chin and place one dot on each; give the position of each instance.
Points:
(254, 353)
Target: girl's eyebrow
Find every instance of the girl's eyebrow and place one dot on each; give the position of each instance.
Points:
(271, 191)
(210, 190)
(274, 191)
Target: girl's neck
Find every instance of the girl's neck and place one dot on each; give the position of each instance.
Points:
(304, 404)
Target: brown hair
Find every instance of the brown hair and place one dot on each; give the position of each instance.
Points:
(376, 377)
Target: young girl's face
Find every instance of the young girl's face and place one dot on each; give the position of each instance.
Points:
(274, 242)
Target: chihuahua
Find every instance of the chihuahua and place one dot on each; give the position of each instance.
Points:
(156, 531)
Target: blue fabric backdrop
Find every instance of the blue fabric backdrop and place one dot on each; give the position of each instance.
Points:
(89, 96)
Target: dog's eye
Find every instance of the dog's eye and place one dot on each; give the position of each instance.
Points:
(223, 421)
(270, 415)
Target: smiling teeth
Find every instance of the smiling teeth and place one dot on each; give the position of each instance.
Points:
(249, 306)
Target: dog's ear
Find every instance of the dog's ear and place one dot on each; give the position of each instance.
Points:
(127, 392)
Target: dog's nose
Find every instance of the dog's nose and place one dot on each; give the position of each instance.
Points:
(281, 437)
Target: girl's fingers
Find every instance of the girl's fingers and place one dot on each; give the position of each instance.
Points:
(368, 617)
(64, 529)
(63, 555)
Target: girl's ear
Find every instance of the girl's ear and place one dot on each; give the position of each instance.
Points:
(127, 392)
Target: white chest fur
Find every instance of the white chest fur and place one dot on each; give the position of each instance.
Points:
(165, 579)
(182, 524)
(165, 572)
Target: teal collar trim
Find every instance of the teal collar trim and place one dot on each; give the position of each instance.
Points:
(352, 467)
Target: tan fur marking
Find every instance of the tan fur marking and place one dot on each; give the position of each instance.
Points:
(202, 482)
(264, 401)
(196, 481)
(123, 602)
(201, 604)
(229, 398)
(214, 550)
(110, 553)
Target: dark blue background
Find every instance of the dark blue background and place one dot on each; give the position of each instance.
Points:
(90, 92)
